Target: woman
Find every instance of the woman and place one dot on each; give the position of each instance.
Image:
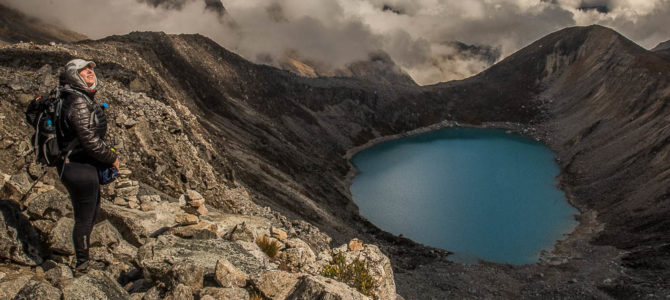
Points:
(83, 120)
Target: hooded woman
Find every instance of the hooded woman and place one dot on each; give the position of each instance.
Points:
(83, 120)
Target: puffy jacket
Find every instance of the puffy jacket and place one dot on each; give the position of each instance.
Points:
(83, 119)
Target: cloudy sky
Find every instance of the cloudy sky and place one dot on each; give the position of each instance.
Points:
(415, 33)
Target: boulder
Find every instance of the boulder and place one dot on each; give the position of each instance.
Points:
(277, 284)
(227, 275)
(149, 198)
(158, 256)
(125, 252)
(51, 205)
(203, 230)
(19, 241)
(278, 234)
(241, 232)
(58, 275)
(147, 206)
(193, 196)
(186, 219)
(181, 292)
(38, 290)
(186, 273)
(120, 201)
(9, 288)
(135, 226)
(15, 187)
(94, 285)
(127, 191)
(379, 267)
(317, 287)
(355, 245)
(60, 238)
(105, 235)
(297, 254)
(200, 210)
(224, 294)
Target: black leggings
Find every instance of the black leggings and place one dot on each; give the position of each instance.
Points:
(81, 181)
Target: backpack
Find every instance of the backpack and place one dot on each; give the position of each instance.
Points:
(44, 115)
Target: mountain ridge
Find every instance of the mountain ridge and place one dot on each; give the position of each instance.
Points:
(286, 137)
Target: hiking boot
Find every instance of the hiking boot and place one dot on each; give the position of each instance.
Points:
(88, 265)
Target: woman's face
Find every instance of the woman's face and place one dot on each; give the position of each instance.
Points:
(88, 75)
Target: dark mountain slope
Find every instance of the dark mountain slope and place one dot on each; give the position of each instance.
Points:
(16, 27)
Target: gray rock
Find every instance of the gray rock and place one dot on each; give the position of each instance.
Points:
(298, 254)
(135, 226)
(19, 241)
(9, 288)
(94, 285)
(317, 287)
(241, 232)
(181, 292)
(186, 219)
(38, 290)
(127, 191)
(379, 267)
(125, 252)
(276, 284)
(224, 293)
(158, 256)
(153, 293)
(60, 238)
(185, 273)
(58, 275)
(15, 187)
(105, 235)
(227, 275)
(51, 205)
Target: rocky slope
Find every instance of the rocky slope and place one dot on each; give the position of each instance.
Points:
(191, 115)
(158, 237)
(17, 27)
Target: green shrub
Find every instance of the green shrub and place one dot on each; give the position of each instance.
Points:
(354, 274)
(268, 246)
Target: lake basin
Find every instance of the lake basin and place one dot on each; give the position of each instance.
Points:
(480, 193)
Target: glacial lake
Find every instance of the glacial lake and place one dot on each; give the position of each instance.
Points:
(480, 193)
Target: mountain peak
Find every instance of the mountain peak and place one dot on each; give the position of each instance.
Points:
(662, 46)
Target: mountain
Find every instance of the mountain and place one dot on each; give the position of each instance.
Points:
(662, 46)
(596, 98)
(16, 27)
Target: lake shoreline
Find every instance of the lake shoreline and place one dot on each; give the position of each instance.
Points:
(562, 249)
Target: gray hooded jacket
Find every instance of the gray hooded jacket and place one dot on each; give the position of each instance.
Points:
(77, 122)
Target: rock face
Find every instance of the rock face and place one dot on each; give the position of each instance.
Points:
(38, 290)
(158, 257)
(313, 287)
(186, 114)
(94, 285)
(19, 242)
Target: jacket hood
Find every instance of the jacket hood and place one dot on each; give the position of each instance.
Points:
(71, 75)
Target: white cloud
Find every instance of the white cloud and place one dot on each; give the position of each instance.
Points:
(413, 32)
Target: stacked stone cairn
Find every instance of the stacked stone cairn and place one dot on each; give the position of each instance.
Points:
(126, 193)
(189, 221)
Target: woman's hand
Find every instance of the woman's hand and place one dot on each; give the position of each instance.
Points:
(116, 164)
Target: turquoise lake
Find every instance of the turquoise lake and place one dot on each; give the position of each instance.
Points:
(480, 193)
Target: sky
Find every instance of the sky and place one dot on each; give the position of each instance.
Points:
(415, 33)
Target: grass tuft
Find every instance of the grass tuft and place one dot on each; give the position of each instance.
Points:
(268, 246)
(354, 274)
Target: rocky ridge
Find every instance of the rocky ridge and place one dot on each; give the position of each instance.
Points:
(158, 237)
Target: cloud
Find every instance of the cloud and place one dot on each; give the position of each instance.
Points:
(415, 33)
